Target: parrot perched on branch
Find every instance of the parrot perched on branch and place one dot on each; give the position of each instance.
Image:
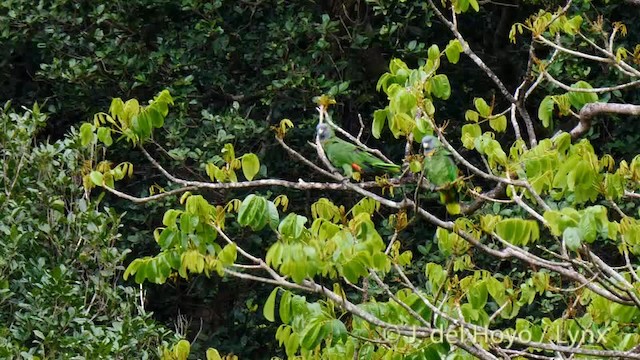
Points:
(349, 157)
(441, 171)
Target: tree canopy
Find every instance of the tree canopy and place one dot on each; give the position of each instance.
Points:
(512, 231)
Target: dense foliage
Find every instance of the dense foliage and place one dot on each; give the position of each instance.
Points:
(59, 258)
(540, 255)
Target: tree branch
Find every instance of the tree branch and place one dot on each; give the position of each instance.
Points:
(589, 111)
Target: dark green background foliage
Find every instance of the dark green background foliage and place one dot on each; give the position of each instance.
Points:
(60, 257)
(234, 68)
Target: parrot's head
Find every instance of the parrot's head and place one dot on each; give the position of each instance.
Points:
(429, 144)
(323, 131)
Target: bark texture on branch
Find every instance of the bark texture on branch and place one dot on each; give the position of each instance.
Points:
(591, 110)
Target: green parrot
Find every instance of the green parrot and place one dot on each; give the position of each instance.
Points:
(441, 171)
(349, 157)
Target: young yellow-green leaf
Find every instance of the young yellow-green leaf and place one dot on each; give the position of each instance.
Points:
(213, 354)
(545, 110)
(379, 119)
(132, 268)
(453, 50)
(433, 52)
(170, 217)
(572, 26)
(228, 153)
(270, 306)
(469, 134)
(483, 108)
(229, 254)
(474, 4)
(212, 171)
(471, 115)
(499, 123)
(415, 166)
(104, 135)
(396, 65)
(117, 108)
(250, 165)
(86, 134)
(131, 108)
(402, 101)
(440, 86)
(182, 350)
(97, 178)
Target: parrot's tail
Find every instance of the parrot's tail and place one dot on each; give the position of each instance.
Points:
(449, 197)
(386, 167)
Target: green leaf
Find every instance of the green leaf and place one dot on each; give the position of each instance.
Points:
(499, 123)
(572, 26)
(545, 110)
(170, 216)
(250, 165)
(434, 52)
(571, 237)
(253, 212)
(453, 50)
(182, 350)
(86, 134)
(213, 354)
(379, 119)
(284, 308)
(228, 254)
(440, 86)
(117, 108)
(131, 109)
(273, 218)
(474, 4)
(38, 334)
(97, 178)
(338, 331)
(228, 153)
(471, 115)
(477, 295)
(104, 135)
(155, 117)
(292, 226)
(141, 125)
(396, 65)
(580, 99)
(518, 231)
(469, 134)
(402, 101)
(270, 306)
(312, 336)
(483, 108)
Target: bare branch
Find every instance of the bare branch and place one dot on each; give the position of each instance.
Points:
(589, 111)
(478, 61)
(593, 90)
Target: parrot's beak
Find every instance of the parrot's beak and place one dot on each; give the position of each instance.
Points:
(429, 153)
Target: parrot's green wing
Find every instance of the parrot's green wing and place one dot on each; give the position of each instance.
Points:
(350, 158)
(442, 172)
